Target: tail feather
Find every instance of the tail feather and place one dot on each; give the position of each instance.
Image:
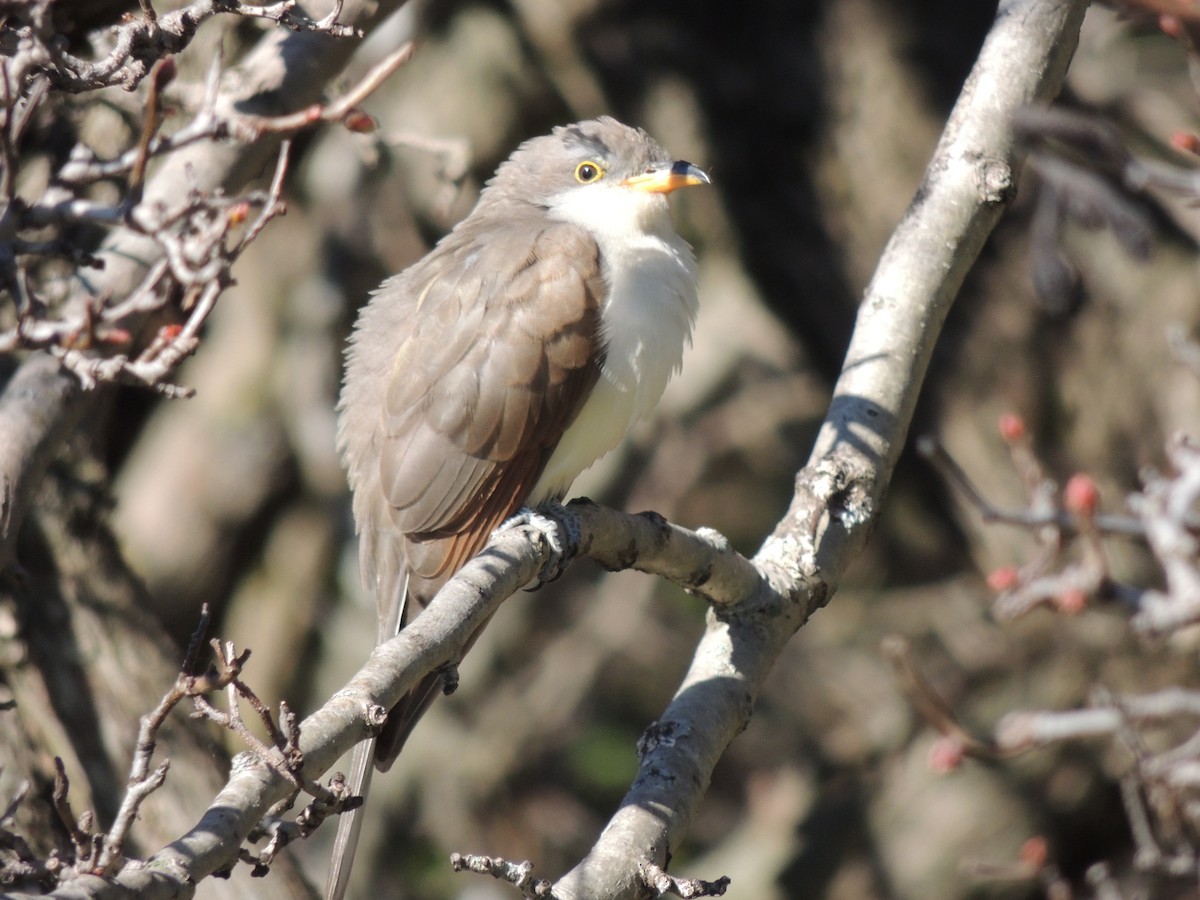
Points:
(404, 717)
(350, 823)
(391, 585)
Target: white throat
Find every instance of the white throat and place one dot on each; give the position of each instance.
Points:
(646, 320)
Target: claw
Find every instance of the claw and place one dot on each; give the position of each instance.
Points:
(560, 528)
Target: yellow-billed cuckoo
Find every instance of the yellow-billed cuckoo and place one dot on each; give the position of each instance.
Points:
(486, 376)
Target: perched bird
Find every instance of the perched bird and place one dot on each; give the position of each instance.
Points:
(486, 376)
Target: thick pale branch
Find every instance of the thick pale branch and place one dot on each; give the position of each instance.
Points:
(436, 638)
(701, 561)
(966, 186)
(756, 608)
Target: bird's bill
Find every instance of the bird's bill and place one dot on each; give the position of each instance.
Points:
(664, 178)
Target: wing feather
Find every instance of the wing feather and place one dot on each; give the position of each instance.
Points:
(464, 372)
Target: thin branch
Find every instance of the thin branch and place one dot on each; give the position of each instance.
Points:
(142, 40)
(192, 234)
(929, 703)
(1167, 506)
(663, 884)
(161, 75)
(83, 843)
(1068, 523)
(1020, 731)
(18, 798)
(519, 875)
(333, 112)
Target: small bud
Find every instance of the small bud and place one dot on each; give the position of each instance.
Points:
(1186, 141)
(945, 755)
(1072, 601)
(1081, 496)
(1003, 579)
(239, 213)
(1012, 428)
(1034, 853)
(116, 336)
(169, 332)
(359, 122)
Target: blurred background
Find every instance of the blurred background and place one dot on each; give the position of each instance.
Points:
(816, 120)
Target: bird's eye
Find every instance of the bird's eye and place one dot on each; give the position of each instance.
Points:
(587, 172)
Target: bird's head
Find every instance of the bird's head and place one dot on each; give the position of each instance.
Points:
(599, 173)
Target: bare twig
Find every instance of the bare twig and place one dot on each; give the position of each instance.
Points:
(160, 77)
(17, 799)
(18, 862)
(1032, 865)
(1042, 581)
(333, 112)
(199, 259)
(930, 704)
(1167, 506)
(82, 841)
(519, 875)
(143, 780)
(195, 235)
(937, 456)
(138, 42)
(664, 884)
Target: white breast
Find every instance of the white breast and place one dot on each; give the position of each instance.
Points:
(646, 322)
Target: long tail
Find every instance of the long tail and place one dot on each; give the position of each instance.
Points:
(392, 589)
(380, 752)
(350, 823)
(400, 723)
(404, 717)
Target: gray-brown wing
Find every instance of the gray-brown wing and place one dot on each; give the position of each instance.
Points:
(492, 346)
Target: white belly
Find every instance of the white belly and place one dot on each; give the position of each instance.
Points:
(601, 424)
(647, 323)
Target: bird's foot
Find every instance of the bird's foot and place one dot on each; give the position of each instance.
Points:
(560, 528)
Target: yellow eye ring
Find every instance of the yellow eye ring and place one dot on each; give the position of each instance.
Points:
(587, 172)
